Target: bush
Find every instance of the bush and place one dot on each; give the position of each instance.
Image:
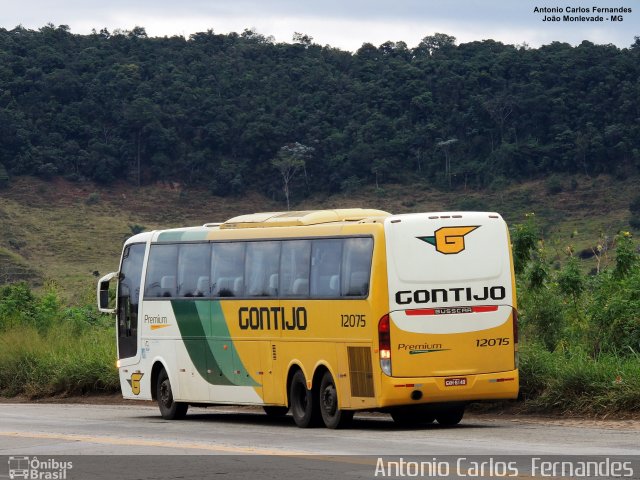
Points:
(634, 206)
(523, 238)
(542, 317)
(572, 382)
(472, 204)
(92, 199)
(17, 306)
(136, 229)
(614, 314)
(61, 361)
(554, 185)
(47, 348)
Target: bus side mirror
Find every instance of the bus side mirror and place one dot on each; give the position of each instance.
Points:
(103, 293)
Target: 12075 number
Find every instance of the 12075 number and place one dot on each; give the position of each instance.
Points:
(353, 321)
(492, 342)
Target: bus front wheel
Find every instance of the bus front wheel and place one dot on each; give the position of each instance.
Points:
(304, 407)
(169, 408)
(332, 416)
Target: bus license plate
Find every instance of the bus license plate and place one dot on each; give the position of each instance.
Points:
(455, 382)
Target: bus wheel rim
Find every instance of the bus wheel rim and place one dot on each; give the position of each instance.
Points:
(165, 393)
(329, 400)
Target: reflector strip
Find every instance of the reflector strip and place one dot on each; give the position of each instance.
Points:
(487, 308)
(500, 380)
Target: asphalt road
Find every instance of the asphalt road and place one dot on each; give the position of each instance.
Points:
(245, 441)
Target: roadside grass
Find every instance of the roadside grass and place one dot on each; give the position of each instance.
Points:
(571, 382)
(62, 361)
(48, 347)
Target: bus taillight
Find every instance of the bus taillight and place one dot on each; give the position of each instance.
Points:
(384, 344)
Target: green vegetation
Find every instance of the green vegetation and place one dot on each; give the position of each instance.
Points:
(47, 348)
(581, 333)
(634, 208)
(480, 125)
(215, 110)
(572, 382)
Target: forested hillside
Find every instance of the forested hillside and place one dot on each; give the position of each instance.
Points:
(216, 110)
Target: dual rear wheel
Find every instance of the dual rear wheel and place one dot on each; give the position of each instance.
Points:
(312, 407)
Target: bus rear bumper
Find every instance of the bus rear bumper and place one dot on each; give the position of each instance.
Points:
(398, 391)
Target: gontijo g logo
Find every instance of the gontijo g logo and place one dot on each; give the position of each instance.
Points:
(134, 381)
(449, 240)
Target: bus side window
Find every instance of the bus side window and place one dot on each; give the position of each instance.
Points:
(263, 259)
(295, 262)
(326, 259)
(194, 269)
(227, 269)
(161, 271)
(356, 267)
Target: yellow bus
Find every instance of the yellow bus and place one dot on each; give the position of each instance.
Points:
(323, 313)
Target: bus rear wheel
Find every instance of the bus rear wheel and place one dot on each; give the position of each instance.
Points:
(304, 406)
(332, 416)
(169, 408)
(451, 416)
(411, 416)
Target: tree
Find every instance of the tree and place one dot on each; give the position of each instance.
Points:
(436, 42)
(499, 107)
(111, 105)
(302, 39)
(289, 161)
(446, 146)
(4, 176)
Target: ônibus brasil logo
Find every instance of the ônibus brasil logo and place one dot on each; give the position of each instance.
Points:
(449, 240)
(30, 468)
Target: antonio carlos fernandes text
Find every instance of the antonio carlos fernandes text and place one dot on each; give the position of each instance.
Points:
(539, 468)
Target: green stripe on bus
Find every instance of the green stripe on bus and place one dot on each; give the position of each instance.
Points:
(213, 355)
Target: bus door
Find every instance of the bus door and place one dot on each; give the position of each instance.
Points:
(129, 299)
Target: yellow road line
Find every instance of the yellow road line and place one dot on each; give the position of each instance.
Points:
(151, 443)
(229, 449)
(121, 441)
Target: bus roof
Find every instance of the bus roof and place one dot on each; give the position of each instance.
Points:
(265, 220)
(301, 218)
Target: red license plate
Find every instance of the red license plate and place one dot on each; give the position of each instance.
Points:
(455, 382)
